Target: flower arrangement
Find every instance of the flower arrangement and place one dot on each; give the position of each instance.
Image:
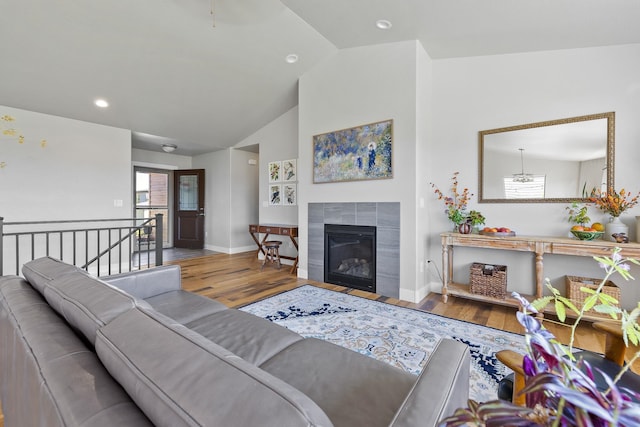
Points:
(612, 202)
(456, 204)
(560, 390)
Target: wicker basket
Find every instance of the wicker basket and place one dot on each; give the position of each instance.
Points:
(574, 283)
(489, 280)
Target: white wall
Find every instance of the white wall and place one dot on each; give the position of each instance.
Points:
(244, 199)
(472, 94)
(217, 167)
(83, 173)
(83, 169)
(230, 199)
(354, 87)
(278, 141)
(424, 161)
(155, 159)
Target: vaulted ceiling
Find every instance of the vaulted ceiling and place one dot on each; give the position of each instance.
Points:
(174, 72)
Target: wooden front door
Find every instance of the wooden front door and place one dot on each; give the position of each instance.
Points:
(189, 209)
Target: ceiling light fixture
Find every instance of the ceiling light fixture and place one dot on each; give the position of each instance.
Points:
(291, 58)
(169, 148)
(383, 24)
(522, 177)
(101, 103)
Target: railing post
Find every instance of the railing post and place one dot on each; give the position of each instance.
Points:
(159, 239)
(1, 244)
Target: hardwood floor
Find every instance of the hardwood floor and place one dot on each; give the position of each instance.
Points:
(236, 280)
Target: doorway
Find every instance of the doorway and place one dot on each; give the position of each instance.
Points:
(188, 209)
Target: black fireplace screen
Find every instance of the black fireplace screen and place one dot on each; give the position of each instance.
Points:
(350, 256)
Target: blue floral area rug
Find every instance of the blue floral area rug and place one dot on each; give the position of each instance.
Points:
(400, 336)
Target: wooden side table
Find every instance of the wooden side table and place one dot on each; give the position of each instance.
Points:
(275, 229)
(538, 246)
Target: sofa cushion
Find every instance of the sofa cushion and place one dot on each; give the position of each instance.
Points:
(49, 377)
(179, 378)
(251, 337)
(352, 389)
(41, 271)
(85, 302)
(184, 307)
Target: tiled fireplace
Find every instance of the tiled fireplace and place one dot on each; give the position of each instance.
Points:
(385, 217)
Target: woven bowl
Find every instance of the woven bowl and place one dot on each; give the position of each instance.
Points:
(587, 235)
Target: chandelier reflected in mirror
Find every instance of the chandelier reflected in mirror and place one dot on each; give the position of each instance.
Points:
(522, 177)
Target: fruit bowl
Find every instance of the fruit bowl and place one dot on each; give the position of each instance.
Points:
(587, 235)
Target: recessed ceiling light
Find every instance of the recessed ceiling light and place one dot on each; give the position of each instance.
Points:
(383, 24)
(102, 103)
(169, 148)
(292, 58)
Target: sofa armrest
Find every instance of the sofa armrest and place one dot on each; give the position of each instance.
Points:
(441, 388)
(144, 284)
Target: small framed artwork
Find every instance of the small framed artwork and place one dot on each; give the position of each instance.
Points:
(289, 170)
(358, 153)
(275, 171)
(289, 194)
(275, 194)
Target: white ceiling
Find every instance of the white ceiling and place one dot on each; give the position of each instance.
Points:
(170, 75)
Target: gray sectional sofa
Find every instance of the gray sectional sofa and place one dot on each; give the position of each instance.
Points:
(136, 350)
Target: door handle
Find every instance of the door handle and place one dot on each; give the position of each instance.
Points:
(200, 214)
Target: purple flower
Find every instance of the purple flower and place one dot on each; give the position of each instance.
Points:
(616, 257)
(524, 303)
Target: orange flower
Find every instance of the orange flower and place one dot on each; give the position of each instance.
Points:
(613, 203)
(456, 204)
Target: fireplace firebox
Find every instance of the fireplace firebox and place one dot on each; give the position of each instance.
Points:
(350, 256)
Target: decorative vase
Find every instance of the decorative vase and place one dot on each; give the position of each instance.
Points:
(465, 228)
(616, 230)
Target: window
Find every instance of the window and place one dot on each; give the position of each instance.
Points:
(530, 189)
(151, 198)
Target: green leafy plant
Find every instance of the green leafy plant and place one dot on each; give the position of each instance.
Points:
(578, 213)
(560, 389)
(475, 218)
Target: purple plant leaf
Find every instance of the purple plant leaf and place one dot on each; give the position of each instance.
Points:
(524, 303)
(580, 400)
(629, 394)
(630, 416)
(529, 366)
(530, 324)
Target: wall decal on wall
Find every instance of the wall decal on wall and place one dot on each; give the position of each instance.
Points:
(358, 153)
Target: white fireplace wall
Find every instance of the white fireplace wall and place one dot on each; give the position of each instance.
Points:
(353, 87)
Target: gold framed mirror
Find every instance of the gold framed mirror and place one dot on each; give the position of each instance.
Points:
(546, 162)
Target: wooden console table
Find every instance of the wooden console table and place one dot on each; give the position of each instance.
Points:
(537, 245)
(277, 229)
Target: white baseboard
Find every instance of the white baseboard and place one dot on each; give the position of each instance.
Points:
(417, 296)
(243, 249)
(231, 251)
